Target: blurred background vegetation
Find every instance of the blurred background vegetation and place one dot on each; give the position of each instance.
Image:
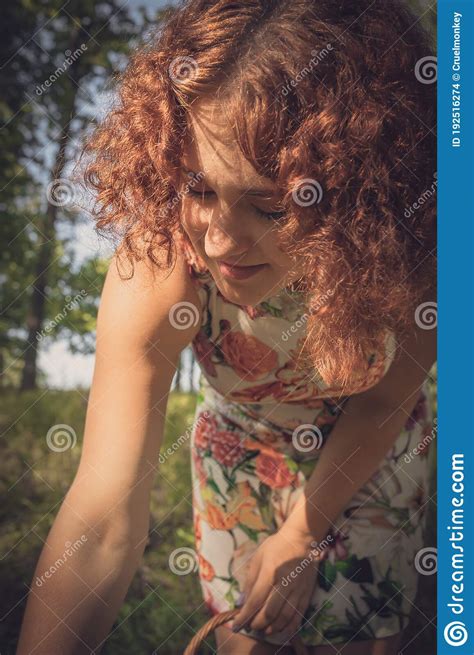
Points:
(58, 65)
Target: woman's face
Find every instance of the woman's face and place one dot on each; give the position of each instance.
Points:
(228, 224)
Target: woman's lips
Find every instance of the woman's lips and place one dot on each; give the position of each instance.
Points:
(239, 272)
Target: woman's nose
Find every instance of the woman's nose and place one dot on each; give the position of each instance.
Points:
(225, 238)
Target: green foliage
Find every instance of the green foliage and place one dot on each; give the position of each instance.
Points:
(56, 64)
(162, 610)
(426, 10)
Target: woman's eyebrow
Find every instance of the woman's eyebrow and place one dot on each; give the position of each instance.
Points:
(262, 191)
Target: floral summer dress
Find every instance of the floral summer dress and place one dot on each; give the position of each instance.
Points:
(259, 429)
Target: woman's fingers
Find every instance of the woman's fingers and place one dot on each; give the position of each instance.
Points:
(287, 611)
(254, 602)
(291, 614)
(270, 610)
(293, 626)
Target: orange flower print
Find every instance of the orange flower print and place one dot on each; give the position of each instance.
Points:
(271, 466)
(200, 470)
(203, 349)
(273, 471)
(227, 448)
(245, 507)
(253, 312)
(218, 518)
(298, 387)
(255, 393)
(241, 509)
(248, 356)
(197, 529)
(206, 570)
(206, 426)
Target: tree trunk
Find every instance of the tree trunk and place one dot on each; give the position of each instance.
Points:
(36, 312)
(178, 374)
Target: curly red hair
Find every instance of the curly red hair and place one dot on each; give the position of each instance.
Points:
(331, 100)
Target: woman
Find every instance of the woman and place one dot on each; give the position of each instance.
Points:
(262, 170)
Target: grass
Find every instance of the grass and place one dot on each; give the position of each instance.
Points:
(162, 610)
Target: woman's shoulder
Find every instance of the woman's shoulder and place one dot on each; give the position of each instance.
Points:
(143, 302)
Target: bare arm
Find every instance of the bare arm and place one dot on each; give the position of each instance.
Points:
(105, 514)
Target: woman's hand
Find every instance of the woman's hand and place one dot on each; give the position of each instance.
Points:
(280, 580)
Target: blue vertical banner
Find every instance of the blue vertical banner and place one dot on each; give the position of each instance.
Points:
(455, 115)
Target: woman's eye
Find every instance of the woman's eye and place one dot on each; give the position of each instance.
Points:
(260, 212)
(269, 215)
(198, 194)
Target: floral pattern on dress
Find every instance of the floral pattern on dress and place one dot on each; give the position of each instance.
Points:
(247, 474)
(244, 491)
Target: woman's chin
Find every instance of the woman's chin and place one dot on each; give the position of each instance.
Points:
(244, 294)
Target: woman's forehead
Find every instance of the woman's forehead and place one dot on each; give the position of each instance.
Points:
(211, 147)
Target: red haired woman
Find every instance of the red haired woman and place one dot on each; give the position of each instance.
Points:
(269, 171)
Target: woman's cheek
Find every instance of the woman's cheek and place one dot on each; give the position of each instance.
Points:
(195, 226)
(192, 219)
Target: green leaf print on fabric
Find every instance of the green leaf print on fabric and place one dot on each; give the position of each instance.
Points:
(292, 465)
(212, 484)
(356, 570)
(352, 568)
(319, 621)
(265, 492)
(391, 590)
(326, 575)
(246, 465)
(229, 477)
(252, 534)
(265, 506)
